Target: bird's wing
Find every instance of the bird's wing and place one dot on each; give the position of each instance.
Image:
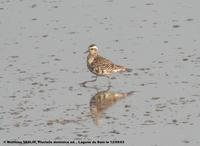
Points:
(107, 65)
(101, 60)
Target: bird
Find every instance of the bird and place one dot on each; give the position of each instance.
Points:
(101, 66)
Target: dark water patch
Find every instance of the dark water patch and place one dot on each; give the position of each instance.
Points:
(36, 48)
(149, 4)
(142, 84)
(60, 121)
(70, 88)
(155, 98)
(57, 59)
(160, 107)
(26, 123)
(147, 113)
(127, 106)
(174, 121)
(41, 91)
(114, 131)
(45, 62)
(184, 82)
(176, 26)
(48, 109)
(34, 19)
(108, 117)
(15, 113)
(17, 124)
(52, 55)
(160, 62)
(54, 7)
(35, 83)
(143, 69)
(50, 122)
(149, 122)
(72, 32)
(69, 109)
(80, 135)
(44, 36)
(108, 28)
(26, 96)
(1, 128)
(196, 95)
(62, 69)
(45, 73)
(14, 57)
(10, 65)
(109, 0)
(165, 42)
(190, 19)
(64, 27)
(132, 7)
(139, 37)
(121, 50)
(12, 96)
(75, 72)
(41, 84)
(127, 74)
(58, 138)
(21, 71)
(84, 131)
(174, 20)
(55, 28)
(150, 83)
(185, 59)
(186, 141)
(49, 79)
(1, 8)
(33, 5)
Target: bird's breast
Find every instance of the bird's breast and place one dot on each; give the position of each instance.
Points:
(90, 60)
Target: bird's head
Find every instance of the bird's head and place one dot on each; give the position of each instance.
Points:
(92, 49)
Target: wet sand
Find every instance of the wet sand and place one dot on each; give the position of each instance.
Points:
(42, 66)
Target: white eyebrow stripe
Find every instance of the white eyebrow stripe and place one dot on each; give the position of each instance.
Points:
(94, 47)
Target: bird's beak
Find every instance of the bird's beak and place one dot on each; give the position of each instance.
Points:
(86, 52)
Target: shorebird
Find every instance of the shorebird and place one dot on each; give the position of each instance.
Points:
(101, 66)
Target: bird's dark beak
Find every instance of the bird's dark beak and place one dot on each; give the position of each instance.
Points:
(86, 52)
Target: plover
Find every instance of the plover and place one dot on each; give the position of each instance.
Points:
(101, 66)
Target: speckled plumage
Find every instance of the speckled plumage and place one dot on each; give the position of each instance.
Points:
(101, 66)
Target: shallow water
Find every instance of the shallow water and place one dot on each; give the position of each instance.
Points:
(42, 66)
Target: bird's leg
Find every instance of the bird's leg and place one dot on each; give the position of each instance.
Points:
(85, 82)
(109, 83)
(95, 78)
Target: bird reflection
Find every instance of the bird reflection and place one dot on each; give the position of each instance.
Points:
(104, 99)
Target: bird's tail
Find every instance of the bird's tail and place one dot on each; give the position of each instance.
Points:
(128, 69)
(119, 68)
